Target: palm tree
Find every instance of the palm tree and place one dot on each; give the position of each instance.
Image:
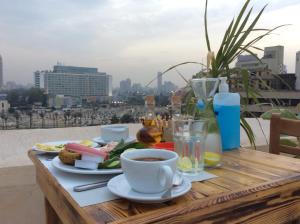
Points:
(55, 117)
(74, 115)
(42, 115)
(30, 114)
(3, 116)
(93, 117)
(67, 115)
(79, 115)
(17, 117)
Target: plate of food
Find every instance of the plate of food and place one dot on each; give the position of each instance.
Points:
(57, 146)
(79, 159)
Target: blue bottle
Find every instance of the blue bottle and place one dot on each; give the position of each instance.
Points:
(227, 108)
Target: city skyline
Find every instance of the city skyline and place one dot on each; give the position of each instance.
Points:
(127, 38)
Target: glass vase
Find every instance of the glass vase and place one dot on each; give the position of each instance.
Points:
(213, 142)
(204, 90)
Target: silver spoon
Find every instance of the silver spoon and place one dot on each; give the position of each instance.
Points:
(90, 186)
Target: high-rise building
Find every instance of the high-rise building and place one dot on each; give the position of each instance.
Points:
(1, 72)
(125, 86)
(137, 88)
(273, 57)
(37, 79)
(77, 82)
(297, 70)
(169, 87)
(250, 63)
(159, 83)
(272, 60)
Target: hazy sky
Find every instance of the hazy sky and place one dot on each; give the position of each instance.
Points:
(127, 38)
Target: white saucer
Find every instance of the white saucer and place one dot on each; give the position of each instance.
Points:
(100, 140)
(120, 187)
(72, 169)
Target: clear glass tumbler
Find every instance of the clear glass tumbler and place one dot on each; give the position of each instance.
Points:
(189, 139)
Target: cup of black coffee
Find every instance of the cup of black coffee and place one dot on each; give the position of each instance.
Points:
(149, 170)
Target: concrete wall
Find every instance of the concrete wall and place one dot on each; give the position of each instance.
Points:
(21, 200)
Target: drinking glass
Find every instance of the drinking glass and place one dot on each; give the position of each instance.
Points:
(189, 137)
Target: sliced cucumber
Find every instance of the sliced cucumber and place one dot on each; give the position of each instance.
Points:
(114, 164)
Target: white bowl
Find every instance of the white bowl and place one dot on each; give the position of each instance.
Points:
(114, 132)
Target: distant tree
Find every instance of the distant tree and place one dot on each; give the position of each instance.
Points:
(36, 95)
(127, 118)
(13, 97)
(162, 100)
(114, 119)
(136, 100)
(25, 97)
(11, 110)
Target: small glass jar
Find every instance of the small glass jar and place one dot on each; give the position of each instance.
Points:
(150, 133)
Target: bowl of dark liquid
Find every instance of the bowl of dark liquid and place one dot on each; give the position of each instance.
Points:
(149, 170)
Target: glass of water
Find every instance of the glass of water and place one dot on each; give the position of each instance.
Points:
(189, 137)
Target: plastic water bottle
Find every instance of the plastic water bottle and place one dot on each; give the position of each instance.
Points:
(227, 108)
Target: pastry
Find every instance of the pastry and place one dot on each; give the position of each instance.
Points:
(68, 157)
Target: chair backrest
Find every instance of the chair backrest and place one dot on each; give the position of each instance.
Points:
(283, 126)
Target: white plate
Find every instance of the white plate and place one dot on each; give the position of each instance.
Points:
(100, 140)
(59, 143)
(71, 169)
(120, 187)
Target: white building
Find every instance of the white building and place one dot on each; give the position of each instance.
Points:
(250, 63)
(4, 106)
(272, 60)
(39, 79)
(297, 70)
(76, 82)
(273, 57)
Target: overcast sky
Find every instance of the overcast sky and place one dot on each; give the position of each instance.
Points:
(127, 38)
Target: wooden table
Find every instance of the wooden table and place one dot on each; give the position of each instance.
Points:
(252, 187)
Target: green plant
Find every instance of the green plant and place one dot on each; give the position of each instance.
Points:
(284, 113)
(235, 42)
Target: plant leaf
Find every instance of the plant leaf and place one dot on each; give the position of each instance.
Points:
(247, 128)
(205, 25)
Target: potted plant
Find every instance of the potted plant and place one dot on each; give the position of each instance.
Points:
(240, 37)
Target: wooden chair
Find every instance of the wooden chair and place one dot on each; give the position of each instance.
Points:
(286, 127)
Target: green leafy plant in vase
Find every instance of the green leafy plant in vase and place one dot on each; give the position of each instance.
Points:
(240, 37)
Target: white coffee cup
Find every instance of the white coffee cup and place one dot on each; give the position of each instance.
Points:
(149, 176)
(114, 132)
